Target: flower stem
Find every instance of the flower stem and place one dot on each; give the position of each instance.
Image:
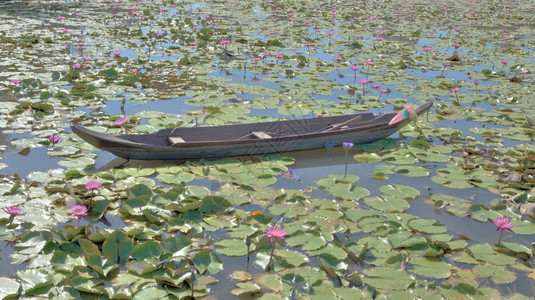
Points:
(500, 239)
(270, 263)
(345, 169)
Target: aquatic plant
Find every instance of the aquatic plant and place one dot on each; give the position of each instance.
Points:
(502, 223)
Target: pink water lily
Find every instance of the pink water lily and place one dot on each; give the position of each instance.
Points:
(54, 139)
(121, 121)
(275, 233)
(13, 210)
(93, 185)
(503, 223)
(15, 81)
(79, 211)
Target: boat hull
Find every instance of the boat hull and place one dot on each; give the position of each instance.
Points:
(157, 147)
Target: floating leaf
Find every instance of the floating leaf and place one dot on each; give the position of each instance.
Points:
(231, 247)
(269, 281)
(426, 226)
(384, 278)
(401, 191)
(498, 274)
(117, 247)
(431, 267)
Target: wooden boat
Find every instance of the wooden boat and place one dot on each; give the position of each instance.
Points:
(248, 139)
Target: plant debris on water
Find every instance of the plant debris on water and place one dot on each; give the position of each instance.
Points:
(411, 216)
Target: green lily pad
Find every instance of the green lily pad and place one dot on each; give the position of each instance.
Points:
(385, 278)
(431, 267)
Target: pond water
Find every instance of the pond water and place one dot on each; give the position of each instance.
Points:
(412, 217)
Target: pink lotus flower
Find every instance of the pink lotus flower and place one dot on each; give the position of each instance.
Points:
(275, 233)
(503, 223)
(14, 211)
(379, 39)
(121, 121)
(85, 58)
(369, 63)
(15, 81)
(271, 32)
(79, 211)
(354, 67)
(264, 54)
(363, 81)
(446, 64)
(455, 90)
(93, 185)
(65, 30)
(75, 66)
(80, 44)
(61, 17)
(504, 62)
(427, 49)
(116, 53)
(278, 55)
(193, 44)
(456, 46)
(308, 44)
(159, 34)
(54, 139)
(375, 86)
(338, 59)
(224, 42)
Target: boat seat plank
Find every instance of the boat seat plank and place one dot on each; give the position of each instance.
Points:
(261, 135)
(176, 140)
